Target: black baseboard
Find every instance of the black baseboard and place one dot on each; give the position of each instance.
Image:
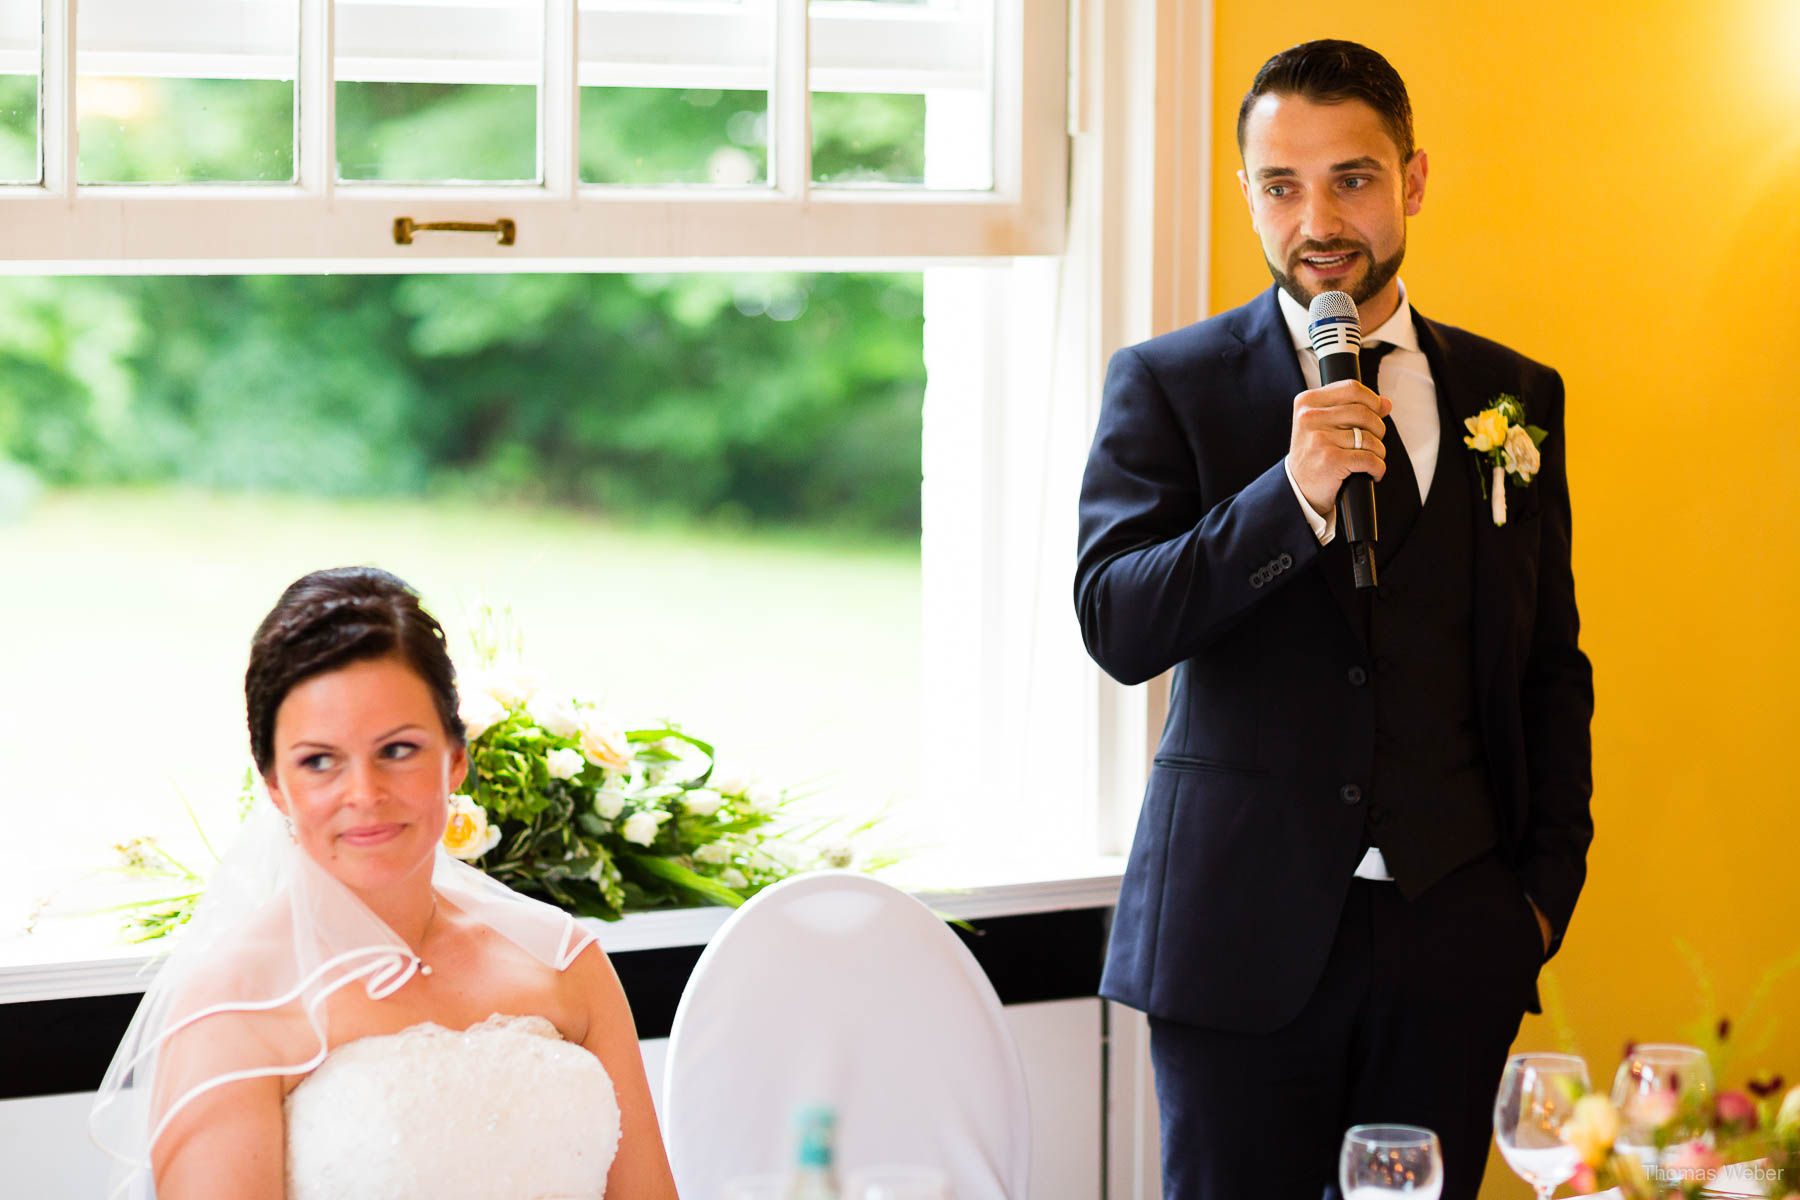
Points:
(48, 1047)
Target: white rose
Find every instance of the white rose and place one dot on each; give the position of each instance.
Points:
(554, 715)
(511, 687)
(1521, 454)
(731, 785)
(789, 858)
(641, 827)
(604, 745)
(480, 712)
(713, 853)
(731, 877)
(763, 799)
(609, 803)
(702, 802)
(566, 764)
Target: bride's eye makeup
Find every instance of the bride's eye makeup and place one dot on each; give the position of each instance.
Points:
(315, 762)
(399, 750)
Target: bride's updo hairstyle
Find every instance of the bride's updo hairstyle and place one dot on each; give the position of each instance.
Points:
(330, 619)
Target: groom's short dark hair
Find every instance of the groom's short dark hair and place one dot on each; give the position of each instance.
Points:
(1330, 71)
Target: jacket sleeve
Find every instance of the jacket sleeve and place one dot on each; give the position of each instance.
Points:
(1556, 698)
(1164, 567)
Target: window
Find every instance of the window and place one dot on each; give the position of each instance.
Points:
(843, 129)
(188, 138)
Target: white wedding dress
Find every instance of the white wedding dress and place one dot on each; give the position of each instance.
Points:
(504, 1110)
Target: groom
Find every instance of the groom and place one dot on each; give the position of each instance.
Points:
(1367, 822)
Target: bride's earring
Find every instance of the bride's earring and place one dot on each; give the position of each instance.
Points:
(288, 822)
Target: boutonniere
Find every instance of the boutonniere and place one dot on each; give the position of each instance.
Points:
(1499, 434)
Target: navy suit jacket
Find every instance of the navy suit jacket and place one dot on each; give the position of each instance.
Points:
(1194, 555)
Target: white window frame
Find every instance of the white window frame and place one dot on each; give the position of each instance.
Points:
(320, 223)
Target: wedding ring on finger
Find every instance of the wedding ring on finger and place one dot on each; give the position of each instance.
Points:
(1357, 433)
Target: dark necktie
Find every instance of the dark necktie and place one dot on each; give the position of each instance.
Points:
(1397, 492)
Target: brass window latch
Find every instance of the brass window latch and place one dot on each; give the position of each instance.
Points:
(405, 227)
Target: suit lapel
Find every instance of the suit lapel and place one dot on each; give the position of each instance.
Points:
(1268, 368)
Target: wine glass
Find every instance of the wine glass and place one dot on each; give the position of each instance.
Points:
(1537, 1096)
(1664, 1094)
(897, 1183)
(1390, 1160)
(756, 1187)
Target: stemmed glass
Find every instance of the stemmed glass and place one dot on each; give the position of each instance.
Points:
(897, 1183)
(1390, 1160)
(1537, 1096)
(1664, 1094)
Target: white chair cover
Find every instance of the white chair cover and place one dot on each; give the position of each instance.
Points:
(834, 988)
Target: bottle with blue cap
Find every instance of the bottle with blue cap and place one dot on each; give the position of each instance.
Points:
(815, 1172)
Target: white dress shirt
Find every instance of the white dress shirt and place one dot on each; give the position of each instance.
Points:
(1405, 379)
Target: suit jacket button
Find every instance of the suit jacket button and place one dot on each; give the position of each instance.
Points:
(1377, 814)
(1287, 560)
(1257, 580)
(1358, 677)
(1350, 794)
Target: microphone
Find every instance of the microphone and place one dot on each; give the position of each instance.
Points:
(1336, 336)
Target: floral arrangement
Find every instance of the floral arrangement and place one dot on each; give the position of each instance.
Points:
(1499, 433)
(1758, 1127)
(564, 804)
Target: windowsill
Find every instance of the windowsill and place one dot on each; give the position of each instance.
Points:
(66, 958)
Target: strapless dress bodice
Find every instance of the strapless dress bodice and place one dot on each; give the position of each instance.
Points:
(503, 1110)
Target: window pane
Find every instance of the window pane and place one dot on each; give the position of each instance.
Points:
(184, 91)
(20, 59)
(903, 93)
(676, 92)
(868, 137)
(674, 135)
(431, 97)
(698, 494)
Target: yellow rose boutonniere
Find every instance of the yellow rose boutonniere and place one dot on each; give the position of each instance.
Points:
(1499, 433)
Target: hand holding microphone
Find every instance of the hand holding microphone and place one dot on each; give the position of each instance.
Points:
(1335, 451)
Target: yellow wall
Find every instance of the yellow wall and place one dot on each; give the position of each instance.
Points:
(1615, 190)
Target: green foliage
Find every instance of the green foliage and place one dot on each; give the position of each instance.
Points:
(777, 397)
(865, 137)
(188, 131)
(436, 131)
(18, 128)
(674, 135)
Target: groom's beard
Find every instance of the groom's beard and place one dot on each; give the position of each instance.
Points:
(1375, 275)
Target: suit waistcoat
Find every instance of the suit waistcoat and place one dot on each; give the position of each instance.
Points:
(1428, 805)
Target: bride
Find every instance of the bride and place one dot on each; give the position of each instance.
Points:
(352, 1013)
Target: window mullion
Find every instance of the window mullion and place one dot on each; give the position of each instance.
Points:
(559, 108)
(792, 100)
(57, 107)
(317, 107)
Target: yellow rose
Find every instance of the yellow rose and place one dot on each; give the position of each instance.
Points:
(1787, 1120)
(468, 835)
(1592, 1128)
(1488, 430)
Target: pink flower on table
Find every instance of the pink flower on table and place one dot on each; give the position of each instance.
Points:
(1584, 1181)
(1735, 1108)
(1693, 1160)
(1652, 1110)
